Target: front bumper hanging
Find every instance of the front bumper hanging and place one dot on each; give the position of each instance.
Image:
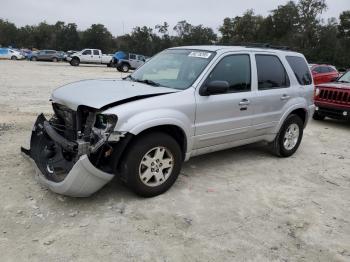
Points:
(82, 178)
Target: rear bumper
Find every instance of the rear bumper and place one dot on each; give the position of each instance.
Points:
(81, 179)
(333, 112)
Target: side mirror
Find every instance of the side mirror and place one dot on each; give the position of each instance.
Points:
(314, 72)
(215, 88)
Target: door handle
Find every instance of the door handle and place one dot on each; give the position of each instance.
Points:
(244, 102)
(285, 97)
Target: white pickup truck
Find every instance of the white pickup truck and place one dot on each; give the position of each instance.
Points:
(89, 56)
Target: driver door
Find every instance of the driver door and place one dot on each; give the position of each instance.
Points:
(225, 118)
(86, 56)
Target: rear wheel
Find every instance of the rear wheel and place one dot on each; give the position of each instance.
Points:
(288, 139)
(54, 59)
(318, 116)
(34, 58)
(152, 164)
(13, 58)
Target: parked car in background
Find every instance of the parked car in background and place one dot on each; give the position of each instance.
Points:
(333, 99)
(125, 61)
(68, 54)
(323, 73)
(184, 102)
(46, 55)
(9, 53)
(89, 56)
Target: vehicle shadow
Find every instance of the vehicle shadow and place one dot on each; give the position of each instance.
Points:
(329, 122)
(117, 191)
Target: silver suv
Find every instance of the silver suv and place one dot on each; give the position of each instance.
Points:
(184, 102)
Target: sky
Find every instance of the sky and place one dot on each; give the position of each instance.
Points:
(121, 16)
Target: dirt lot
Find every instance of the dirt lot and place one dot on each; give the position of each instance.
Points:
(237, 205)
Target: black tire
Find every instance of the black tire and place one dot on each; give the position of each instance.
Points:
(33, 58)
(278, 146)
(74, 62)
(119, 69)
(131, 163)
(13, 57)
(319, 117)
(55, 60)
(125, 68)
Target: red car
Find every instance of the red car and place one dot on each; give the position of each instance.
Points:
(333, 99)
(323, 73)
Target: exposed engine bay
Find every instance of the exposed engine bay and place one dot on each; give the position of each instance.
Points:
(59, 143)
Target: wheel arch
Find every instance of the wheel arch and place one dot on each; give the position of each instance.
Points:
(298, 110)
(174, 131)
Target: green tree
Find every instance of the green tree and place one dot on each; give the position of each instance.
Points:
(98, 36)
(8, 33)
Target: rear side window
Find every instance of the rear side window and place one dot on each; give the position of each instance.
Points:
(271, 72)
(235, 69)
(300, 70)
(96, 52)
(132, 56)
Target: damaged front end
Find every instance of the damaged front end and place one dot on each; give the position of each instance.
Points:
(76, 152)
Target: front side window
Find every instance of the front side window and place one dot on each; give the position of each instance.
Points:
(234, 69)
(132, 56)
(271, 73)
(300, 69)
(87, 52)
(174, 68)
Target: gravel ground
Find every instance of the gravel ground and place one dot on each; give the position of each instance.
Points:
(241, 204)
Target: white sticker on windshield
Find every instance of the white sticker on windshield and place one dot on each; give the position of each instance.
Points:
(200, 54)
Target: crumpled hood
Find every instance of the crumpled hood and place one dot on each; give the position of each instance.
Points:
(335, 85)
(102, 92)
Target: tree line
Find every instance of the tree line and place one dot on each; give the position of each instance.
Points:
(295, 24)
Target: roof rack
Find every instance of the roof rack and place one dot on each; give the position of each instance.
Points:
(264, 45)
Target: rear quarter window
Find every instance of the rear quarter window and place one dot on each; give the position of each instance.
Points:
(300, 69)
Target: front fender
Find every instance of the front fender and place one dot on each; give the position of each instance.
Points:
(146, 120)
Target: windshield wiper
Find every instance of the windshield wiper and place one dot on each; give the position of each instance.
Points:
(148, 82)
(343, 81)
(145, 81)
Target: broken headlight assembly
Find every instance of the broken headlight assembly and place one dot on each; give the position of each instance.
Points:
(57, 144)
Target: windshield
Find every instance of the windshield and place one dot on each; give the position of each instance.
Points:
(174, 68)
(345, 78)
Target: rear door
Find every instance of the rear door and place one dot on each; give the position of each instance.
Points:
(226, 118)
(96, 56)
(273, 92)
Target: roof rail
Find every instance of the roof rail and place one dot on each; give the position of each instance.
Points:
(264, 45)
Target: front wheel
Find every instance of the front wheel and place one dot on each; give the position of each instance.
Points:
(288, 139)
(125, 68)
(54, 59)
(13, 58)
(152, 164)
(74, 62)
